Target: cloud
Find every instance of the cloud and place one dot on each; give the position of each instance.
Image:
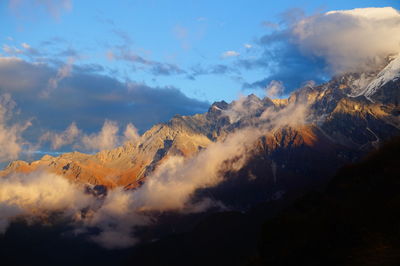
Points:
(66, 137)
(25, 50)
(248, 46)
(106, 139)
(62, 73)
(274, 89)
(88, 98)
(36, 194)
(123, 52)
(131, 133)
(173, 184)
(243, 107)
(217, 69)
(316, 47)
(11, 140)
(25, 45)
(155, 67)
(350, 40)
(230, 54)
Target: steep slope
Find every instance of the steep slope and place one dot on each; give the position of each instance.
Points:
(353, 222)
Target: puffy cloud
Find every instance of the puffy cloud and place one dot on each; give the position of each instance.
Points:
(11, 140)
(66, 137)
(173, 184)
(350, 40)
(274, 89)
(36, 194)
(243, 107)
(124, 53)
(230, 54)
(107, 138)
(316, 47)
(131, 133)
(170, 187)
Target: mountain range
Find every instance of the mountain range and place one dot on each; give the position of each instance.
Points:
(274, 151)
(343, 119)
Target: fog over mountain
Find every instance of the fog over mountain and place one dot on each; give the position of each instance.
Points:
(148, 157)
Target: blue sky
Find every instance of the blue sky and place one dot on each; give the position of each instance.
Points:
(185, 34)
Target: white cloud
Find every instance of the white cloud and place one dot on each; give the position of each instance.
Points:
(172, 185)
(350, 40)
(169, 188)
(247, 46)
(36, 194)
(107, 138)
(230, 54)
(131, 133)
(25, 45)
(11, 140)
(66, 137)
(11, 50)
(274, 89)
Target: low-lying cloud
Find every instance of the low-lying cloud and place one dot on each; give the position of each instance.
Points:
(36, 194)
(170, 187)
(108, 137)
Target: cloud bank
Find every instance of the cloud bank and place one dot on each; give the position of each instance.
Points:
(303, 48)
(87, 98)
(36, 194)
(350, 40)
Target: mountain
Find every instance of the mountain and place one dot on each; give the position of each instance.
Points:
(354, 221)
(346, 117)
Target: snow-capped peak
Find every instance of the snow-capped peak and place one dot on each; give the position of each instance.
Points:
(390, 73)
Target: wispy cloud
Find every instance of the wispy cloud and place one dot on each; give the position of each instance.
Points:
(11, 140)
(62, 73)
(230, 53)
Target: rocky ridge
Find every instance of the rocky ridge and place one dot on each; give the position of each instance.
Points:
(347, 116)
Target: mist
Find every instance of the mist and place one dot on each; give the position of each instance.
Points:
(170, 187)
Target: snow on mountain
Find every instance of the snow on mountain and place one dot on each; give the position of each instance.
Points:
(390, 73)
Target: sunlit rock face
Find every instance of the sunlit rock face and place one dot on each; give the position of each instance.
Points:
(346, 117)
